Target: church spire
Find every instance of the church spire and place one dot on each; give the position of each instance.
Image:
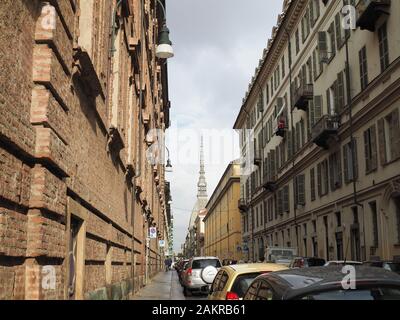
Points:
(202, 184)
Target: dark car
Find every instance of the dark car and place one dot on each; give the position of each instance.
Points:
(306, 262)
(388, 265)
(326, 283)
(180, 266)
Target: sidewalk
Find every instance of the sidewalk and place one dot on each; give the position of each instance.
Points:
(164, 286)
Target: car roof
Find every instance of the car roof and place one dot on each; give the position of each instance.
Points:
(256, 267)
(293, 282)
(204, 258)
(343, 262)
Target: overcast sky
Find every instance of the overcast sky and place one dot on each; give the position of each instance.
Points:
(217, 45)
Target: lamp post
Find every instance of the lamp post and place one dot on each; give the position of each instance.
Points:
(164, 49)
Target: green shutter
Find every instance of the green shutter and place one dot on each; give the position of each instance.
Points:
(345, 163)
(395, 128)
(322, 46)
(374, 149)
(382, 141)
(367, 151)
(319, 178)
(338, 30)
(317, 108)
(340, 91)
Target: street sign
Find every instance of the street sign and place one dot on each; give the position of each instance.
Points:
(161, 243)
(153, 232)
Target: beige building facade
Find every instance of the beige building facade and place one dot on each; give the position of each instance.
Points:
(223, 237)
(325, 170)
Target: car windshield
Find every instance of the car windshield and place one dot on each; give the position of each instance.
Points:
(282, 254)
(375, 293)
(201, 264)
(395, 267)
(313, 262)
(242, 283)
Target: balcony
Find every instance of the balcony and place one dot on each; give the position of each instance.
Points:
(302, 95)
(280, 126)
(257, 159)
(242, 205)
(325, 130)
(269, 183)
(369, 12)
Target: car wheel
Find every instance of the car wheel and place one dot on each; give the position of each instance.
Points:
(187, 292)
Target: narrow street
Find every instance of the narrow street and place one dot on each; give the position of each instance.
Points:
(165, 286)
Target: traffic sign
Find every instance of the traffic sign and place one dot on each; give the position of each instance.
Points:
(161, 243)
(153, 232)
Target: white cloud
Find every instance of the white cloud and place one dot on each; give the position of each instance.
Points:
(217, 47)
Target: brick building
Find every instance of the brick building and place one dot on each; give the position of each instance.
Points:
(80, 88)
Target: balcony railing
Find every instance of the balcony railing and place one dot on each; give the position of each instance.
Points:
(269, 183)
(368, 13)
(302, 95)
(324, 130)
(242, 205)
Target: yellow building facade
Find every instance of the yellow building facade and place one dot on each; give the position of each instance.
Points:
(223, 236)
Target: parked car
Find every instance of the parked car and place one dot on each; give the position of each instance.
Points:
(231, 282)
(325, 283)
(306, 262)
(200, 274)
(388, 265)
(280, 255)
(179, 268)
(342, 263)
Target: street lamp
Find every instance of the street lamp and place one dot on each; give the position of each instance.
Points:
(168, 167)
(164, 49)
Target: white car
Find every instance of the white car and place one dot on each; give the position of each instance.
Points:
(199, 274)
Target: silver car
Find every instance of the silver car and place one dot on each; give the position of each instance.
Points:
(200, 274)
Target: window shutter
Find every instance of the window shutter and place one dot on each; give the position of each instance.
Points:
(319, 179)
(298, 136)
(317, 9)
(331, 31)
(338, 31)
(289, 144)
(382, 141)
(302, 132)
(340, 92)
(374, 149)
(312, 183)
(328, 100)
(339, 166)
(317, 108)
(326, 176)
(355, 159)
(311, 113)
(280, 202)
(314, 63)
(322, 46)
(336, 96)
(311, 9)
(272, 162)
(332, 172)
(286, 199)
(301, 189)
(396, 134)
(367, 151)
(346, 163)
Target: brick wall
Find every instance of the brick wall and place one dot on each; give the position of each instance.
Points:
(58, 159)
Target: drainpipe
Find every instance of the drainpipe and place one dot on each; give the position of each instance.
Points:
(292, 134)
(353, 149)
